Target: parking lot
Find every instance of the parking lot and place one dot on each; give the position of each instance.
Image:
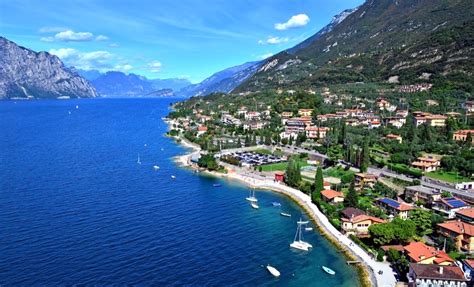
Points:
(248, 158)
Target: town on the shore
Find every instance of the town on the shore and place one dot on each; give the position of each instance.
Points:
(393, 176)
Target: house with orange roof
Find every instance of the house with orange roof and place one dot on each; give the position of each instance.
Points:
(359, 225)
(421, 275)
(394, 137)
(466, 215)
(418, 252)
(461, 232)
(201, 130)
(332, 196)
(393, 207)
(313, 132)
(426, 164)
(461, 135)
(363, 180)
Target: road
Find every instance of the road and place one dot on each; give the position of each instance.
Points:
(388, 173)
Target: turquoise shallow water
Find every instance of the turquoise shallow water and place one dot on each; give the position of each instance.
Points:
(76, 208)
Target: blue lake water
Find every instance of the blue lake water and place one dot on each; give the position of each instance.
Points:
(76, 208)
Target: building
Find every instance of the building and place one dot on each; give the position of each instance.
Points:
(468, 106)
(419, 193)
(415, 88)
(435, 275)
(461, 135)
(448, 206)
(286, 114)
(201, 130)
(332, 196)
(461, 232)
(429, 119)
(363, 180)
(393, 207)
(351, 212)
(359, 225)
(249, 116)
(418, 252)
(466, 215)
(326, 185)
(394, 137)
(373, 124)
(313, 132)
(254, 125)
(426, 164)
(279, 176)
(397, 121)
(305, 112)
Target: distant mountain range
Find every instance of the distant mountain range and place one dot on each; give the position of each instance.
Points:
(28, 74)
(118, 84)
(404, 41)
(224, 81)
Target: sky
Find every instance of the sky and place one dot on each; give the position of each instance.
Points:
(164, 38)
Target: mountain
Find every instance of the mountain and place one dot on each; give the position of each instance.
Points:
(28, 74)
(174, 84)
(118, 84)
(90, 75)
(405, 41)
(224, 81)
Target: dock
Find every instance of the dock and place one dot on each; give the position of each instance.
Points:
(353, 262)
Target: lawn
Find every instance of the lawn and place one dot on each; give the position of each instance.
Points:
(448, 176)
(281, 166)
(262, 151)
(337, 172)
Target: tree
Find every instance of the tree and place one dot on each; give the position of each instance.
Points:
(293, 173)
(208, 161)
(365, 156)
(422, 220)
(352, 198)
(268, 139)
(468, 140)
(247, 140)
(239, 143)
(254, 140)
(398, 231)
(318, 180)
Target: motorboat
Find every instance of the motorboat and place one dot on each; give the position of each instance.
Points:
(308, 229)
(273, 271)
(254, 205)
(173, 177)
(155, 167)
(216, 185)
(276, 204)
(285, 214)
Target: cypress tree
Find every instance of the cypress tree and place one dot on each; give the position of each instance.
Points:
(365, 156)
(352, 198)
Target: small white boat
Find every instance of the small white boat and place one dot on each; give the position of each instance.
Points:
(173, 177)
(254, 205)
(138, 159)
(329, 270)
(276, 204)
(77, 107)
(308, 229)
(69, 112)
(273, 271)
(298, 242)
(155, 167)
(285, 214)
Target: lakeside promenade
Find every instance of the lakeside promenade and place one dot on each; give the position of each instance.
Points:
(386, 279)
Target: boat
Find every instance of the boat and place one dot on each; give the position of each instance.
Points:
(251, 196)
(138, 159)
(216, 185)
(276, 204)
(273, 271)
(156, 167)
(285, 214)
(329, 270)
(298, 242)
(308, 229)
(173, 177)
(77, 107)
(254, 205)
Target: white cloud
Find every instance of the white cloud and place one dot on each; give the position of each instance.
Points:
(70, 35)
(154, 66)
(52, 29)
(273, 40)
(114, 45)
(101, 38)
(47, 39)
(264, 56)
(123, 68)
(295, 21)
(95, 60)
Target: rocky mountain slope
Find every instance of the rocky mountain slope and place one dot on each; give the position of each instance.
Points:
(402, 40)
(224, 81)
(28, 74)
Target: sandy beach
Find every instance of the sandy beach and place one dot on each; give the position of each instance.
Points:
(371, 266)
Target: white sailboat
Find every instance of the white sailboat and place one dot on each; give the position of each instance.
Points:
(138, 159)
(155, 167)
(298, 242)
(251, 196)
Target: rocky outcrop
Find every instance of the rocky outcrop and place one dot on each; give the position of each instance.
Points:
(28, 74)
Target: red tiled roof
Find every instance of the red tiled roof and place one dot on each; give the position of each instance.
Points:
(458, 227)
(364, 217)
(419, 251)
(467, 212)
(330, 194)
(431, 271)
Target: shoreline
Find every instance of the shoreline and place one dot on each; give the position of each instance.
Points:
(367, 267)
